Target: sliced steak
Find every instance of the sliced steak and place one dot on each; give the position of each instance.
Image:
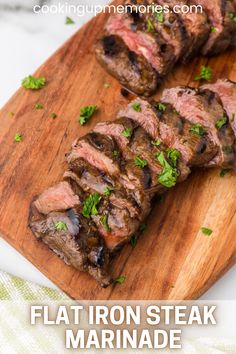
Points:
(166, 124)
(226, 89)
(112, 216)
(102, 152)
(132, 70)
(196, 24)
(68, 234)
(222, 25)
(203, 107)
(140, 37)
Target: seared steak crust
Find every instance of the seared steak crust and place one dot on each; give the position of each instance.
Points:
(203, 107)
(132, 70)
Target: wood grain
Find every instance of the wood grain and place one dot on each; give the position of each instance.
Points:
(174, 260)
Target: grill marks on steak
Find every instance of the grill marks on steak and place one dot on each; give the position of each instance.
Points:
(203, 107)
(132, 70)
(222, 24)
(226, 90)
(139, 39)
(172, 129)
(77, 242)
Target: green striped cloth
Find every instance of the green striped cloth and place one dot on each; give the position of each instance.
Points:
(17, 336)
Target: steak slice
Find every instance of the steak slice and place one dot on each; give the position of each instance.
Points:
(68, 233)
(166, 124)
(203, 107)
(168, 25)
(222, 24)
(142, 39)
(131, 70)
(226, 89)
(102, 152)
(197, 27)
(112, 216)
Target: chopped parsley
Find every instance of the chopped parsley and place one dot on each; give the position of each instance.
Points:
(142, 227)
(33, 83)
(156, 142)
(108, 190)
(205, 74)
(224, 171)
(61, 226)
(18, 137)
(197, 129)
(136, 107)
(120, 280)
(127, 132)
(115, 153)
(213, 29)
(160, 16)
(206, 231)
(160, 106)
(104, 222)
(169, 174)
(90, 205)
(232, 16)
(39, 106)
(173, 155)
(86, 113)
(53, 115)
(140, 162)
(221, 122)
(150, 26)
(69, 21)
(133, 241)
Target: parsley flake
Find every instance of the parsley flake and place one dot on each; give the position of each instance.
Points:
(142, 227)
(115, 153)
(232, 16)
(156, 142)
(173, 155)
(120, 280)
(33, 83)
(160, 106)
(224, 171)
(197, 129)
(168, 176)
(206, 231)
(53, 115)
(137, 107)
(18, 137)
(108, 190)
(221, 122)
(69, 21)
(150, 26)
(127, 132)
(160, 16)
(140, 162)
(213, 29)
(133, 241)
(61, 226)
(86, 113)
(90, 205)
(39, 106)
(205, 74)
(104, 222)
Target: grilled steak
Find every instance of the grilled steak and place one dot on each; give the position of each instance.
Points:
(132, 70)
(226, 89)
(222, 25)
(61, 226)
(163, 122)
(140, 37)
(202, 107)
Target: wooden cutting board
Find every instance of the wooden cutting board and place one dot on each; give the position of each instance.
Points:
(173, 259)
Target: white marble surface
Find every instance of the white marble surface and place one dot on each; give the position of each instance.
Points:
(26, 41)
